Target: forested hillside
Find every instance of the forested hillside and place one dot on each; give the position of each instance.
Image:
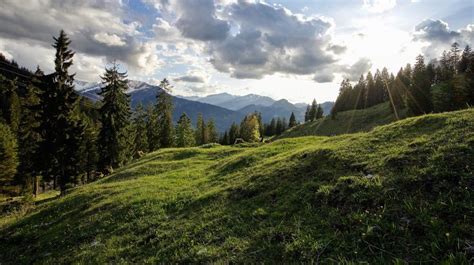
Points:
(349, 121)
(401, 193)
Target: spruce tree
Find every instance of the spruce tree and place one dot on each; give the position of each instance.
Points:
(371, 91)
(313, 111)
(200, 128)
(115, 118)
(292, 123)
(140, 129)
(464, 62)
(8, 155)
(319, 112)
(61, 129)
(29, 136)
(152, 129)
(306, 114)
(225, 139)
(10, 108)
(212, 131)
(279, 126)
(88, 151)
(419, 98)
(184, 132)
(234, 133)
(164, 112)
(273, 127)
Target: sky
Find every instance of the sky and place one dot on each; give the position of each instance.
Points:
(292, 49)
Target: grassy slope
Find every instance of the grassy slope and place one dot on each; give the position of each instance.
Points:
(346, 122)
(306, 199)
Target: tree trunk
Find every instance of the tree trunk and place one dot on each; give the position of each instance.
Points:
(36, 186)
(55, 182)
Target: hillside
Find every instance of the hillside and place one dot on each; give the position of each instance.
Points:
(400, 193)
(283, 108)
(346, 122)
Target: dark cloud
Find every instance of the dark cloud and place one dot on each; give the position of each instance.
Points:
(190, 79)
(197, 20)
(337, 49)
(324, 77)
(96, 28)
(434, 30)
(271, 39)
(354, 71)
(439, 37)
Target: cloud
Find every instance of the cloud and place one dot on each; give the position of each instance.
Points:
(324, 77)
(437, 36)
(434, 30)
(109, 39)
(379, 6)
(270, 39)
(190, 79)
(97, 29)
(337, 49)
(197, 19)
(354, 71)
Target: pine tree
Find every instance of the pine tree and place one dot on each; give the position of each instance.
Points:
(88, 151)
(115, 118)
(343, 100)
(234, 133)
(319, 112)
(284, 124)
(10, 103)
(306, 114)
(140, 129)
(371, 91)
(164, 111)
(385, 81)
(464, 62)
(29, 136)
(202, 131)
(360, 93)
(184, 132)
(61, 129)
(419, 98)
(313, 110)
(454, 59)
(292, 123)
(152, 130)
(225, 139)
(279, 126)
(212, 131)
(8, 155)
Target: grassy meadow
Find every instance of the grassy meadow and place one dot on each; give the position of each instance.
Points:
(399, 193)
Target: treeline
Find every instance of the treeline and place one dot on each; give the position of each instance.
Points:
(50, 136)
(441, 85)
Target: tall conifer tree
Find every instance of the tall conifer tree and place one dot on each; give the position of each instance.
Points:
(61, 129)
(115, 118)
(184, 132)
(164, 112)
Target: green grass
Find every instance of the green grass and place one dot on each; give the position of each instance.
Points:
(346, 122)
(399, 193)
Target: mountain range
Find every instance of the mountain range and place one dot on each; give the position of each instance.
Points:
(223, 108)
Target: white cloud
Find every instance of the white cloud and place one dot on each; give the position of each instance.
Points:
(379, 6)
(109, 39)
